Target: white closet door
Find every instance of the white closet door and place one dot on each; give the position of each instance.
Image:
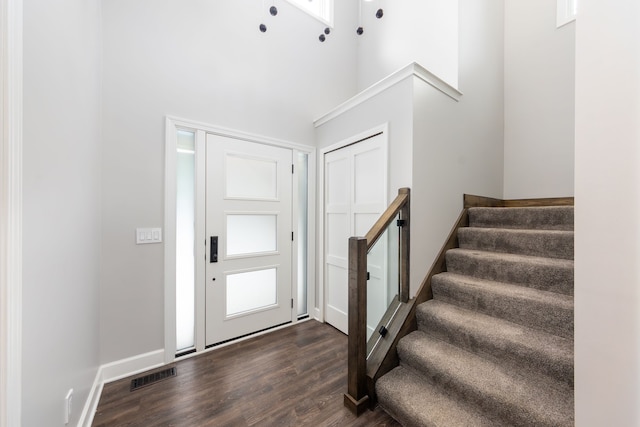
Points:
(355, 196)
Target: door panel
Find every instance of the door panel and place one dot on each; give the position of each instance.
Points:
(337, 226)
(355, 196)
(251, 290)
(251, 234)
(247, 177)
(248, 206)
(369, 179)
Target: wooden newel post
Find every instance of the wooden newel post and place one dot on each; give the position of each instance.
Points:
(356, 398)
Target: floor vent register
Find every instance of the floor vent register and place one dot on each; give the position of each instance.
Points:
(140, 382)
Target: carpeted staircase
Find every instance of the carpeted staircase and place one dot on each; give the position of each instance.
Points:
(494, 347)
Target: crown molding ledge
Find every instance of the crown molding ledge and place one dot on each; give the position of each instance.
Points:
(411, 70)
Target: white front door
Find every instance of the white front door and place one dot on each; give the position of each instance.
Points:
(248, 238)
(354, 197)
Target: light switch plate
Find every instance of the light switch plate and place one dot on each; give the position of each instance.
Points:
(148, 235)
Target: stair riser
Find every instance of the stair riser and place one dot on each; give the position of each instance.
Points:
(555, 319)
(554, 278)
(540, 218)
(547, 244)
(534, 360)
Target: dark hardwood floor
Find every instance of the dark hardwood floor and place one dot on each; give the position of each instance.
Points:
(291, 377)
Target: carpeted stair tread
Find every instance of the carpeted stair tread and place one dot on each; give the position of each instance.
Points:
(547, 217)
(498, 340)
(495, 389)
(548, 274)
(413, 402)
(547, 311)
(547, 243)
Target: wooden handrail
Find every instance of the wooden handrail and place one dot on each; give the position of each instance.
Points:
(357, 396)
(387, 216)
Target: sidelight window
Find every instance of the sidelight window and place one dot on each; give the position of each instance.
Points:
(185, 245)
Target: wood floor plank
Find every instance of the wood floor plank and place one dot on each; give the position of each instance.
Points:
(295, 376)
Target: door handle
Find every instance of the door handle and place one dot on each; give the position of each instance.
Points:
(213, 255)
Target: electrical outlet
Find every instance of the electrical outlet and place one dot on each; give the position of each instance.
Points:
(67, 406)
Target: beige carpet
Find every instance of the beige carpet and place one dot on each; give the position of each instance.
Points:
(495, 345)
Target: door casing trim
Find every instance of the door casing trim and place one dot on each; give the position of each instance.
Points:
(172, 124)
(11, 116)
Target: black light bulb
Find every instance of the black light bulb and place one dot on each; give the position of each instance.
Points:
(322, 38)
(379, 13)
(263, 28)
(360, 30)
(273, 10)
(327, 31)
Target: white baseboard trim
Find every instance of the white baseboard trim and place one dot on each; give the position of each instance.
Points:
(132, 365)
(114, 371)
(91, 405)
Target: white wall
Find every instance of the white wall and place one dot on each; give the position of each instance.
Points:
(61, 202)
(538, 100)
(393, 107)
(458, 145)
(439, 147)
(607, 158)
(207, 61)
(419, 31)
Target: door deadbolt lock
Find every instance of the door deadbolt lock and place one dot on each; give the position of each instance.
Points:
(213, 255)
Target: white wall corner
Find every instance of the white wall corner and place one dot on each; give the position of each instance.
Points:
(114, 371)
(91, 405)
